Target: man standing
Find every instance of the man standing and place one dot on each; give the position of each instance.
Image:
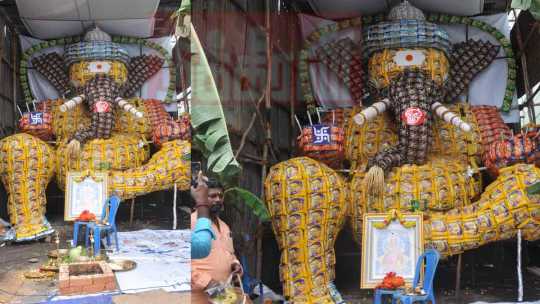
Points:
(221, 262)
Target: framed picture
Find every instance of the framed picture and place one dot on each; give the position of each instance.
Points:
(390, 244)
(85, 192)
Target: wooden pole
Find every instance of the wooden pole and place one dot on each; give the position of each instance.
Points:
(15, 65)
(131, 210)
(523, 59)
(268, 108)
(519, 272)
(174, 206)
(292, 96)
(458, 278)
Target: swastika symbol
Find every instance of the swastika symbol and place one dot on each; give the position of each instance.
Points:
(321, 135)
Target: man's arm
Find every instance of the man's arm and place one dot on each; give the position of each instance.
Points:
(201, 238)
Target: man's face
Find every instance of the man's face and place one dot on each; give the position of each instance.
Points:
(215, 196)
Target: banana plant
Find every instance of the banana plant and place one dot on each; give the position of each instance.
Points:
(238, 195)
(207, 117)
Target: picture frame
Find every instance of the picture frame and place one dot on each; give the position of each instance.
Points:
(390, 243)
(85, 191)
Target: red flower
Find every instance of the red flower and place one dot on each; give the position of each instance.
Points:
(391, 281)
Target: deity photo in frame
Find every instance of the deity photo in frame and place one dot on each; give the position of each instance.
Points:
(390, 243)
(85, 192)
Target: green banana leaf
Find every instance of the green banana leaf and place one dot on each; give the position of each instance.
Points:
(184, 9)
(207, 117)
(239, 195)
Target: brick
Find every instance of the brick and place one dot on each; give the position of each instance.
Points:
(63, 284)
(99, 280)
(64, 290)
(71, 291)
(110, 280)
(79, 281)
(94, 288)
(111, 286)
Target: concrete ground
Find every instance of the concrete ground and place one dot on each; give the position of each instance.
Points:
(18, 258)
(492, 279)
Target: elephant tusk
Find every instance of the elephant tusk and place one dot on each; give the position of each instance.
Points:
(371, 112)
(126, 106)
(70, 104)
(450, 116)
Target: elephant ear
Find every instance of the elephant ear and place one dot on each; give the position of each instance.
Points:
(344, 58)
(467, 60)
(140, 69)
(51, 66)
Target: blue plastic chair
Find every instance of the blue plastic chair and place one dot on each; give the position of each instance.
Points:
(427, 261)
(112, 203)
(79, 224)
(76, 228)
(379, 293)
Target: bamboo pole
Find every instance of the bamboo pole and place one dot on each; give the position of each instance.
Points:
(523, 59)
(131, 210)
(15, 65)
(458, 278)
(519, 272)
(250, 126)
(292, 96)
(174, 206)
(268, 108)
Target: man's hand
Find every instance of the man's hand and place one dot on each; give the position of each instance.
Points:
(200, 193)
(212, 284)
(236, 268)
(200, 196)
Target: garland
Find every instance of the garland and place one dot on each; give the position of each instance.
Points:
(88, 173)
(23, 69)
(392, 216)
(315, 36)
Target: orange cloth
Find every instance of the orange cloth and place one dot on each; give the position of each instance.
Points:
(217, 265)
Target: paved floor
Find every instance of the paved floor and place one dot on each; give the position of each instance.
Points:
(15, 261)
(490, 286)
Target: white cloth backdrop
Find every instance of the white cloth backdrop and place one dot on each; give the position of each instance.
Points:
(488, 87)
(155, 87)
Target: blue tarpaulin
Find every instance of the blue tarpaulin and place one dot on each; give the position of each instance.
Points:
(101, 299)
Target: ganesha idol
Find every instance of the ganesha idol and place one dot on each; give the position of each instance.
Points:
(414, 145)
(102, 127)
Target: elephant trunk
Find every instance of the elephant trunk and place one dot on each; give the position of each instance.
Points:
(100, 92)
(410, 96)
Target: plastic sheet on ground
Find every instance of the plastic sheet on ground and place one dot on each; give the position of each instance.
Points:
(163, 260)
(480, 302)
